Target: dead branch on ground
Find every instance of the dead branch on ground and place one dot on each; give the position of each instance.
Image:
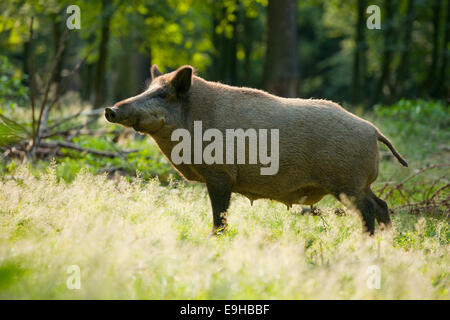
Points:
(432, 199)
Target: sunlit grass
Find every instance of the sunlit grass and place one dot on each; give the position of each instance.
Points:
(149, 241)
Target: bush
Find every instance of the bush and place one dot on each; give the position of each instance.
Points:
(12, 90)
(414, 115)
(420, 124)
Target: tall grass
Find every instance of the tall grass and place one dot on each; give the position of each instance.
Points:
(136, 240)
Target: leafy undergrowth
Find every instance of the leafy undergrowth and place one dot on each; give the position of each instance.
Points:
(146, 160)
(150, 241)
(418, 128)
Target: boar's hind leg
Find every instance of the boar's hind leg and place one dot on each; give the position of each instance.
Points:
(366, 207)
(219, 194)
(381, 211)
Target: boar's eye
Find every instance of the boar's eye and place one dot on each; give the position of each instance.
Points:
(161, 94)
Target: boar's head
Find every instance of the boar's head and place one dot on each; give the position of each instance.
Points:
(159, 106)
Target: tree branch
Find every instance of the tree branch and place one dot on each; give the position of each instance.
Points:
(31, 78)
(69, 145)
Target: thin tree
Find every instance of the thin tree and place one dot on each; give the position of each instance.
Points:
(281, 67)
(359, 54)
(56, 35)
(99, 84)
(403, 68)
(390, 7)
(431, 77)
(441, 86)
(224, 66)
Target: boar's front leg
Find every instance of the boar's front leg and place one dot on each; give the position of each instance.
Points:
(219, 193)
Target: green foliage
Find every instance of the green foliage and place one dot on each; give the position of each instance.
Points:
(420, 125)
(12, 89)
(147, 162)
(217, 36)
(416, 115)
(11, 131)
(12, 93)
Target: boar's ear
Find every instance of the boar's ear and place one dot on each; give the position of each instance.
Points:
(154, 71)
(182, 79)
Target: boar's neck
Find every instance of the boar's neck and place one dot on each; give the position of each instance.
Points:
(202, 102)
(165, 144)
(199, 105)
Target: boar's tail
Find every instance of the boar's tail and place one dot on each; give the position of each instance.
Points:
(386, 141)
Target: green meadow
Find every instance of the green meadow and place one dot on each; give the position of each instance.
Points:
(70, 231)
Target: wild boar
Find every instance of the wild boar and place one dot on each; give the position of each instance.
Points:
(323, 149)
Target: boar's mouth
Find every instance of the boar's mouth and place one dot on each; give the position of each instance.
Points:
(147, 127)
(136, 125)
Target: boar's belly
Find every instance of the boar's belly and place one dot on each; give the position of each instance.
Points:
(303, 195)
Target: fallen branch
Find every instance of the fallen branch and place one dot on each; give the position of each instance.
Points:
(430, 189)
(62, 132)
(399, 185)
(387, 183)
(110, 170)
(423, 205)
(69, 145)
(431, 197)
(439, 190)
(77, 130)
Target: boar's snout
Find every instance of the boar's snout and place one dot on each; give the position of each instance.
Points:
(122, 115)
(110, 114)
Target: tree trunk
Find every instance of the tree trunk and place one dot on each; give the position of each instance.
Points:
(402, 71)
(281, 71)
(122, 86)
(388, 26)
(141, 64)
(248, 46)
(360, 54)
(441, 88)
(87, 74)
(56, 34)
(224, 66)
(25, 62)
(99, 85)
(216, 67)
(232, 54)
(431, 78)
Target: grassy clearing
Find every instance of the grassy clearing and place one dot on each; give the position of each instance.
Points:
(135, 240)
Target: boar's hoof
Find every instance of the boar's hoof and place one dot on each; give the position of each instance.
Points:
(305, 210)
(218, 231)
